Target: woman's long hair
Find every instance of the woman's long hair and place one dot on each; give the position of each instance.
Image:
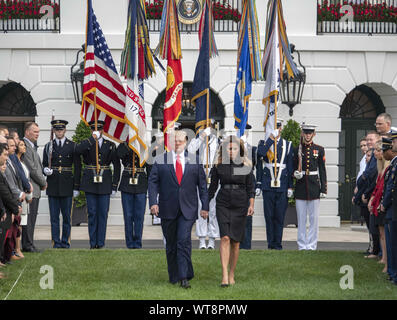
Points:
(223, 154)
(381, 164)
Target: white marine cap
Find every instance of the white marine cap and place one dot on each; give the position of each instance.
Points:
(308, 127)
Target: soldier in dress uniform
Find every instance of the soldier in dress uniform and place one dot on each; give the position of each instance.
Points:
(58, 158)
(275, 189)
(206, 227)
(386, 206)
(311, 184)
(98, 185)
(133, 187)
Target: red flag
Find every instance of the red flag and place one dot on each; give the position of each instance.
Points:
(173, 96)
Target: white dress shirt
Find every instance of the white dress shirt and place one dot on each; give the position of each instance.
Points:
(181, 158)
(62, 141)
(363, 164)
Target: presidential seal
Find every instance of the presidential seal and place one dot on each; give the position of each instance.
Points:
(189, 11)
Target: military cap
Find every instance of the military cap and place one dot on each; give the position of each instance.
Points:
(386, 143)
(248, 126)
(308, 128)
(100, 124)
(59, 124)
(393, 135)
(279, 122)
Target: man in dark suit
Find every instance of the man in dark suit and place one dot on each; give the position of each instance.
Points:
(33, 163)
(173, 183)
(58, 158)
(98, 185)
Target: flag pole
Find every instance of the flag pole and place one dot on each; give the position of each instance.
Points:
(96, 140)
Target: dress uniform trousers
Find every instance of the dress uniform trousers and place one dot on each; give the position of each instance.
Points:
(274, 207)
(307, 240)
(134, 205)
(61, 205)
(208, 228)
(97, 208)
(393, 249)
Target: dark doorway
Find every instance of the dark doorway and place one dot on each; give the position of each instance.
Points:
(358, 113)
(16, 107)
(188, 115)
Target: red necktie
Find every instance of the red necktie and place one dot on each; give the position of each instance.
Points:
(178, 169)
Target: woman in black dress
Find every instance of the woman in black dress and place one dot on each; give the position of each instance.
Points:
(234, 202)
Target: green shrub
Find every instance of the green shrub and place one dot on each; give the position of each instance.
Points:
(82, 133)
(292, 132)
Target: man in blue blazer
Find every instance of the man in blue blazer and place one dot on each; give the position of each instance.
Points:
(173, 183)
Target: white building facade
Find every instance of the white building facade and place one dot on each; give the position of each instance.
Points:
(336, 64)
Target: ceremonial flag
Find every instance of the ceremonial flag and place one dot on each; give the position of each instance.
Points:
(276, 52)
(136, 65)
(201, 84)
(249, 67)
(169, 48)
(102, 88)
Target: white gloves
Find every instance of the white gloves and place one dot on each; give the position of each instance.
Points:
(97, 134)
(257, 192)
(275, 133)
(29, 196)
(298, 175)
(47, 171)
(75, 193)
(113, 195)
(290, 193)
(323, 195)
(207, 131)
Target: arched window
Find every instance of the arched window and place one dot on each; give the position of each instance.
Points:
(188, 115)
(362, 103)
(16, 106)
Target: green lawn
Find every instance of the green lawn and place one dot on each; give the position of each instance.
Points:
(142, 274)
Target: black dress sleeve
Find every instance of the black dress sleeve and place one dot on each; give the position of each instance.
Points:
(250, 185)
(214, 183)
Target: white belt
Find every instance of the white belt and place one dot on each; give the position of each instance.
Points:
(311, 173)
(271, 165)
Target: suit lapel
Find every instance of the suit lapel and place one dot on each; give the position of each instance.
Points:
(169, 160)
(187, 166)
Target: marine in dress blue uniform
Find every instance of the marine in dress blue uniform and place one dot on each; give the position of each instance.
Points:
(62, 182)
(98, 186)
(275, 188)
(311, 185)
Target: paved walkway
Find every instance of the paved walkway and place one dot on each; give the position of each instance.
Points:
(347, 237)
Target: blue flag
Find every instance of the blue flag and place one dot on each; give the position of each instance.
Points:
(201, 83)
(243, 89)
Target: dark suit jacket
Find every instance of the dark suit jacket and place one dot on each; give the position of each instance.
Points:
(173, 197)
(9, 201)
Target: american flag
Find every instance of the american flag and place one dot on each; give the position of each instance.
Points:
(102, 78)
